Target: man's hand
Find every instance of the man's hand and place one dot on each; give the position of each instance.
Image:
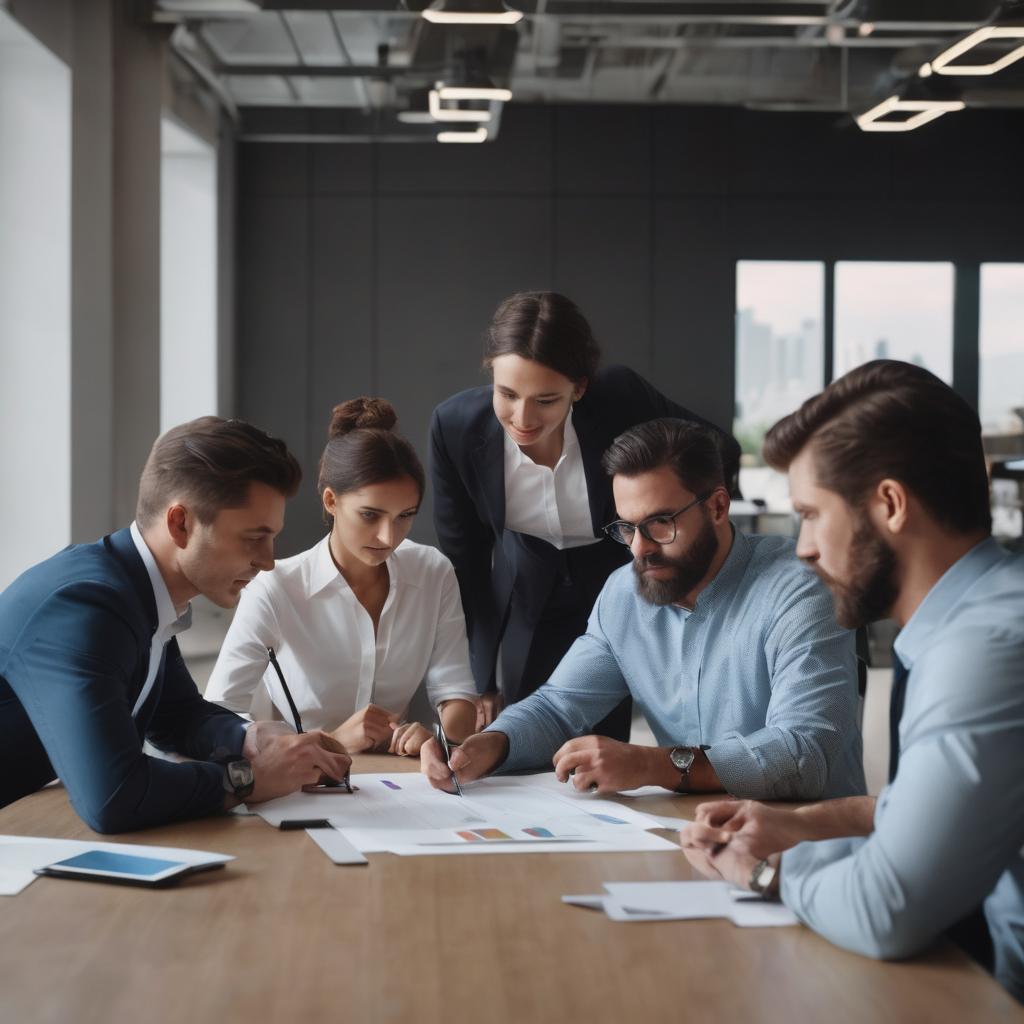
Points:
(601, 765)
(287, 763)
(408, 738)
(732, 863)
(371, 727)
(760, 829)
(476, 757)
(488, 707)
(259, 734)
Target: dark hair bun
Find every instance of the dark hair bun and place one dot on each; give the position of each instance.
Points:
(360, 414)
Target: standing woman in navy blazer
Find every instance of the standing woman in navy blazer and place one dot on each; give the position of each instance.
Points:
(520, 496)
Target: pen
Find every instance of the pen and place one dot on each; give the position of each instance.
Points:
(295, 713)
(447, 751)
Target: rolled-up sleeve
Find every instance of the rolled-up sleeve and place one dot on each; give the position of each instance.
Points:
(810, 746)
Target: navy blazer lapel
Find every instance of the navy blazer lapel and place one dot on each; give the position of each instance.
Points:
(121, 545)
(489, 461)
(592, 445)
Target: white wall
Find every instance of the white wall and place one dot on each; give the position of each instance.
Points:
(188, 276)
(35, 300)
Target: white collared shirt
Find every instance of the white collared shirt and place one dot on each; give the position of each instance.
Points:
(552, 504)
(325, 644)
(168, 621)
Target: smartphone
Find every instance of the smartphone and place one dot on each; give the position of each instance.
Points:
(124, 869)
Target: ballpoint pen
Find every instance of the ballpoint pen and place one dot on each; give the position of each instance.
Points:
(447, 751)
(345, 781)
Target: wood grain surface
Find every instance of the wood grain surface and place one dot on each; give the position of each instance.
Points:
(282, 934)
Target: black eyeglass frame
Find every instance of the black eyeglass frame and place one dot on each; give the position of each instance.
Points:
(613, 529)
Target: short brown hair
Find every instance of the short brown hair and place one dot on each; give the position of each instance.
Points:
(689, 449)
(546, 328)
(211, 462)
(892, 419)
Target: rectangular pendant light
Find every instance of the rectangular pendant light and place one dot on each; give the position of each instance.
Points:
(473, 92)
(477, 135)
(440, 113)
(923, 110)
(942, 66)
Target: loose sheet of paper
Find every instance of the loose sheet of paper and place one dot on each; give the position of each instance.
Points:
(683, 901)
(21, 855)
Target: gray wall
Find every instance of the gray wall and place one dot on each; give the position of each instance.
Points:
(374, 269)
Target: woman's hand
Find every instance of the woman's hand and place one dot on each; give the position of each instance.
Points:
(407, 739)
(488, 707)
(368, 728)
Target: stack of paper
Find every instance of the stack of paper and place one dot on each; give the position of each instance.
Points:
(685, 901)
(403, 814)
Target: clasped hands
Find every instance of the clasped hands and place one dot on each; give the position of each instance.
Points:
(375, 729)
(728, 838)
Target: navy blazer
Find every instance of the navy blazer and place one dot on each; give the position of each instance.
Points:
(467, 465)
(75, 638)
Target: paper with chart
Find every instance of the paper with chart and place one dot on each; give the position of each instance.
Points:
(402, 813)
(21, 855)
(685, 901)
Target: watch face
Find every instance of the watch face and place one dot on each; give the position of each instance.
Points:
(240, 774)
(682, 758)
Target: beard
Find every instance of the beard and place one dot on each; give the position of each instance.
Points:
(690, 568)
(873, 584)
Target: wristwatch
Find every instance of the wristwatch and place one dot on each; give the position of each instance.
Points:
(682, 759)
(238, 776)
(762, 878)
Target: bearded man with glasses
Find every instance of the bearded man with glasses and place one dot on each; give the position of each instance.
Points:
(727, 645)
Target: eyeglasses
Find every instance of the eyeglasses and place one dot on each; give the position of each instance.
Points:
(657, 529)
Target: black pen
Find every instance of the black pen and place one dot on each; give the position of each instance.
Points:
(295, 714)
(446, 750)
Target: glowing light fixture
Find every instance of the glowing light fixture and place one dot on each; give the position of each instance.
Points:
(923, 111)
(440, 113)
(476, 135)
(942, 65)
(474, 92)
(471, 12)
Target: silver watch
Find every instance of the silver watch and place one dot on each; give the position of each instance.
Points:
(682, 759)
(762, 878)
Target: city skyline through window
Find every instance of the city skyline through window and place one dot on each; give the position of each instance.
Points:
(894, 311)
(1001, 348)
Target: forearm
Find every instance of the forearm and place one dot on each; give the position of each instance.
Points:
(701, 778)
(458, 718)
(835, 819)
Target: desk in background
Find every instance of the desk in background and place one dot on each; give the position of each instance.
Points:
(284, 935)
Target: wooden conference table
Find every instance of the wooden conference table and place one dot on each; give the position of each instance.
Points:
(285, 935)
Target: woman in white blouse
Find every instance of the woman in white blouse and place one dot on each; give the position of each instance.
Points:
(362, 618)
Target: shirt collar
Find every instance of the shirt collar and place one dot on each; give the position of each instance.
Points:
(916, 636)
(323, 572)
(729, 575)
(168, 620)
(515, 456)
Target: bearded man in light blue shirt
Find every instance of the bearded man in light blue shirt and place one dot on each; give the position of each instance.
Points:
(887, 471)
(727, 645)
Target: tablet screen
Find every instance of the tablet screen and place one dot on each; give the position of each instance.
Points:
(120, 865)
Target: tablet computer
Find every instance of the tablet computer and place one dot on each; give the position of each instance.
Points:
(124, 869)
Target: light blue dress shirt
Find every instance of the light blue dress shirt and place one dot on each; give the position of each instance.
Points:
(758, 669)
(949, 829)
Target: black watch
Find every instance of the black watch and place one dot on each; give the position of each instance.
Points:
(239, 778)
(682, 759)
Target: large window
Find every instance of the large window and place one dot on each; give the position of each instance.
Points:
(35, 300)
(188, 276)
(1001, 348)
(894, 311)
(779, 311)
